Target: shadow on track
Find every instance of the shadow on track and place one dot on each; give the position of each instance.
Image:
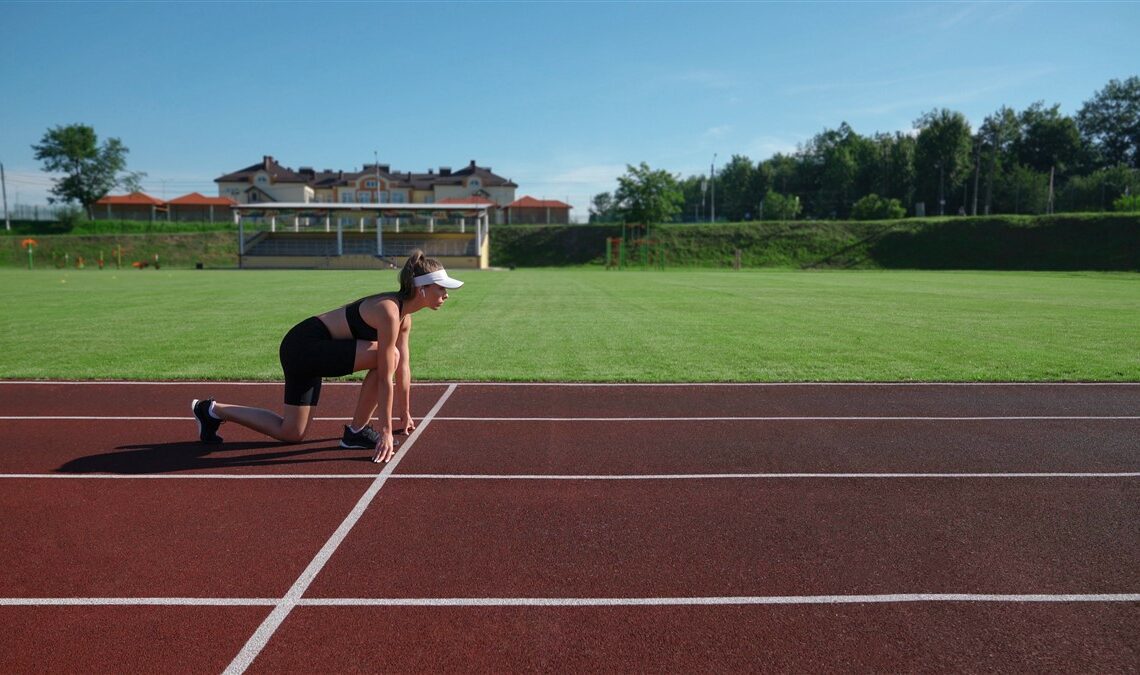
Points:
(191, 456)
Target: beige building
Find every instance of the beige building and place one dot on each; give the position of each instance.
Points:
(269, 181)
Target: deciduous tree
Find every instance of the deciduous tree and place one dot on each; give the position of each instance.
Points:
(90, 170)
(1110, 122)
(648, 196)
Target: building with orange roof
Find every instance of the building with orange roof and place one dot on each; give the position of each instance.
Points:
(198, 207)
(531, 211)
(270, 181)
(135, 206)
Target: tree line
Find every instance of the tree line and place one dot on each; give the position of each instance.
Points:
(1034, 161)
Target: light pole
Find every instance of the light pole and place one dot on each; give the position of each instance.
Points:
(941, 200)
(712, 185)
(379, 228)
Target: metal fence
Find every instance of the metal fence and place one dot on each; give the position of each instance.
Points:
(35, 212)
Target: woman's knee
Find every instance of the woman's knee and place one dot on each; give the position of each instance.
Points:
(294, 424)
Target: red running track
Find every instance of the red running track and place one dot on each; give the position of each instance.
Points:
(729, 527)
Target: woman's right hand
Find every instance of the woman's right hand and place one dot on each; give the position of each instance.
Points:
(385, 449)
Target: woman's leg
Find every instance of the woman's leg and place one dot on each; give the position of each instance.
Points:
(368, 396)
(366, 401)
(289, 427)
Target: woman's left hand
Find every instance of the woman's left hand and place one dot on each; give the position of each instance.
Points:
(385, 448)
(409, 423)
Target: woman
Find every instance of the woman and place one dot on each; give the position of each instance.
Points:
(369, 334)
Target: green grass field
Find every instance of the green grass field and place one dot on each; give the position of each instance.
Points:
(592, 325)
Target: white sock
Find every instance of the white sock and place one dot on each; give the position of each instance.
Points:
(211, 413)
(354, 429)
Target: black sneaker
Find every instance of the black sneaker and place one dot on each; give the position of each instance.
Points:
(207, 426)
(366, 438)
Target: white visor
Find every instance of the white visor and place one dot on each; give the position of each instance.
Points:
(438, 277)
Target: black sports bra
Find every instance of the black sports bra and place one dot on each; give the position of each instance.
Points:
(356, 323)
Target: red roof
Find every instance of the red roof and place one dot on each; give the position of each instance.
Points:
(135, 198)
(532, 203)
(198, 199)
(473, 199)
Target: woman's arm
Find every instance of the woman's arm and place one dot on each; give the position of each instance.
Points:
(404, 377)
(387, 357)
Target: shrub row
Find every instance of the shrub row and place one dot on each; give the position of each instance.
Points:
(1061, 242)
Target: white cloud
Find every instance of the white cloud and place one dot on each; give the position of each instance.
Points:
(716, 132)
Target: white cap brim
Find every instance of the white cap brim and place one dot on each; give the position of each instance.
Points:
(439, 278)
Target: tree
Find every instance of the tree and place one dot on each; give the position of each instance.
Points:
(647, 196)
(1048, 139)
(780, 207)
(737, 196)
(603, 209)
(943, 156)
(90, 170)
(874, 207)
(695, 199)
(998, 134)
(1110, 123)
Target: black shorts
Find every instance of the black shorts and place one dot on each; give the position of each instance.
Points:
(308, 353)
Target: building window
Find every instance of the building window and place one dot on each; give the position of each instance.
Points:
(262, 180)
(398, 198)
(347, 197)
(364, 197)
(474, 184)
(384, 197)
(370, 184)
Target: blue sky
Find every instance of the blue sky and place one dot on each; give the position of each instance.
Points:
(558, 96)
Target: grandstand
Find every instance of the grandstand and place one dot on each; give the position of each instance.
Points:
(313, 235)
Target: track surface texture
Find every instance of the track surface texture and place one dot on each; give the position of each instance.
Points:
(569, 528)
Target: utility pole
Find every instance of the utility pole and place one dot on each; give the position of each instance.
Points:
(379, 229)
(4, 189)
(712, 197)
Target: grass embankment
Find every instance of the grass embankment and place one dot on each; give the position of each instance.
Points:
(1064, 242)
(1107, 242)
(592, 325)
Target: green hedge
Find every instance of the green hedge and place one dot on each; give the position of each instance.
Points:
(1063, 242)
(211, 249)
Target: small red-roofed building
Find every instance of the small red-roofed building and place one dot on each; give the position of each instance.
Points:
(198, 207)
(531, 211)
(135, 206)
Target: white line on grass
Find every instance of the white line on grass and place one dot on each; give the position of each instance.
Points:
(579, 602)
(286, 604)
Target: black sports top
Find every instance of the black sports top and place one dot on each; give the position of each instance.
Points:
(356, 323)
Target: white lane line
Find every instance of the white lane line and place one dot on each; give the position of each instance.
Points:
(276, 384)
(798, 418)
(741, 418)
(193, 476)
(286, 604)
(725, 600)
(580, 602)
(761, 476)
(138, 602)
(568, 477)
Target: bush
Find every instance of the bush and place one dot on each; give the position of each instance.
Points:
(780, 207)
(1127, 203)
(874, 207)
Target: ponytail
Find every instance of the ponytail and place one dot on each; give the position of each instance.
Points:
(416, 265)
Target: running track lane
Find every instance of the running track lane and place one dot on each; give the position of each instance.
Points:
(1011, 636)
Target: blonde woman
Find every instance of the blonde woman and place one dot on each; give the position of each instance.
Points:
(370, 334)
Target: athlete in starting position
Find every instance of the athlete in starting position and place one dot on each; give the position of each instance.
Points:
(370, 334)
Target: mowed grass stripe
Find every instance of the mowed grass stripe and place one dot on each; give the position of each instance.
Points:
(584, 325)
